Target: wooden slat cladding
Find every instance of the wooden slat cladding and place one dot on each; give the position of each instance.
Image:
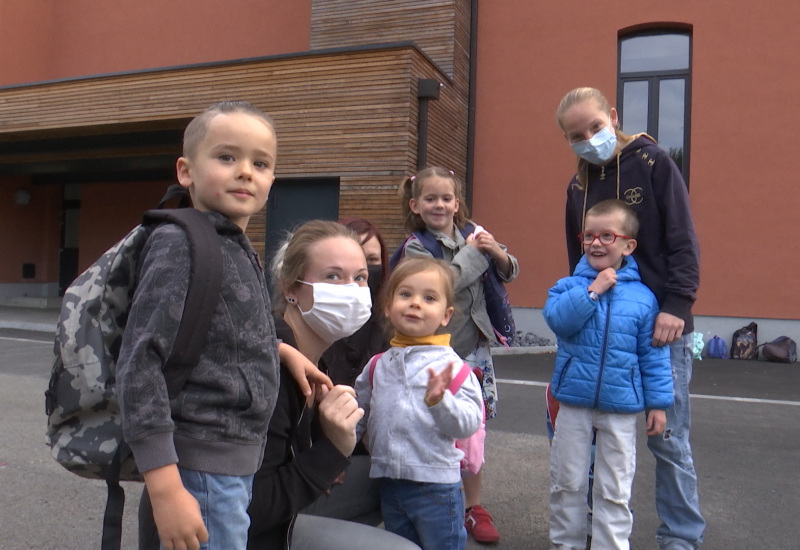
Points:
(431, 24)
(346, 114)
(338, 87)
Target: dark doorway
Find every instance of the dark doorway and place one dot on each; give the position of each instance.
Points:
(293, 201)
(68, 253)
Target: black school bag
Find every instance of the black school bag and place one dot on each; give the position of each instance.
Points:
(84, 428)
(498, 306)
(744, 344)
(780, 350)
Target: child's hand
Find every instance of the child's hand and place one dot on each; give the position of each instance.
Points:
(605, 280)
(175, 511)
(303, 371)
(437, 384)
(486, 243)
(338, 415)
(656, 421)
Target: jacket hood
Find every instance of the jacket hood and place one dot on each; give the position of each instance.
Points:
(628, 272)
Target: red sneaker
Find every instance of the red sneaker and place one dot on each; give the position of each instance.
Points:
(479, 524)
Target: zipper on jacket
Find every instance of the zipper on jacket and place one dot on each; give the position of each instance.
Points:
(290, 529)
(605, 349)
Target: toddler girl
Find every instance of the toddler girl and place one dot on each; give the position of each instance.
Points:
(415, 409)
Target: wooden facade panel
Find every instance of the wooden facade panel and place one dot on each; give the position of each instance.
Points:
(285, 83)
(351, 115)
(376, 199)
(431, 24)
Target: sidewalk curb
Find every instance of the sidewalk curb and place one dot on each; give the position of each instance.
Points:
(51, 328)
(524, 350)
(33, 327)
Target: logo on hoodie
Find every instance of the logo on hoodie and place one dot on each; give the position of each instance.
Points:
(634, 196)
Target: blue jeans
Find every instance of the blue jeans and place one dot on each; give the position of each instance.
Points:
(223, 505)
(677, 502)
(428, 514)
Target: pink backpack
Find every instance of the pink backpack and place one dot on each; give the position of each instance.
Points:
(472, 446)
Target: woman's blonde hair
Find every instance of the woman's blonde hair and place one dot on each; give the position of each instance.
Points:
(574, 97)
(292, 258)
(411, 188)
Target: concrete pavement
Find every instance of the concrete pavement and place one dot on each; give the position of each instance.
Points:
(745, 437)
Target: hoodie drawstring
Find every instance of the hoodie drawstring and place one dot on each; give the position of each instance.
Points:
(586, 192)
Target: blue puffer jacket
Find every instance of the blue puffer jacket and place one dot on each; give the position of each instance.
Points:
(605, 357)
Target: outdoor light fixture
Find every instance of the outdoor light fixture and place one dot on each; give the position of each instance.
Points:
(22, 197)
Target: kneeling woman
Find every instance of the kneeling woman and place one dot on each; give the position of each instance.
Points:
(320, 276)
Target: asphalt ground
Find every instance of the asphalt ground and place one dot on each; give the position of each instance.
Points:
(745, 436)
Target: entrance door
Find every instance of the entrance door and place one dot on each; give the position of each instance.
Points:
(68, 253)
(294, 201)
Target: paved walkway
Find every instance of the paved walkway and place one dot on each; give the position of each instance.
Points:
(45, 319)
(29, 318)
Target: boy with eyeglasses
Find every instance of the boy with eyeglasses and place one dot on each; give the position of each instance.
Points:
(607, 371)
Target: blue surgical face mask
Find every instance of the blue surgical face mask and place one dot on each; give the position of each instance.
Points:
(599, 148)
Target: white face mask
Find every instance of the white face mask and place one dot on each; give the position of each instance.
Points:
(338, 310)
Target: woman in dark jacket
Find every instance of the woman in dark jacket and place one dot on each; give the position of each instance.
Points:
(357, 497)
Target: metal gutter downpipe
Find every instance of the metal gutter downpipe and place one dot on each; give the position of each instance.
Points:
(427, 89)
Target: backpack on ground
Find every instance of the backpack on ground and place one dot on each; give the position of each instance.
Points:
(744, 344)
(497, 304)
(717, 348)
(697, 346)
(84, 428)
(780, 350)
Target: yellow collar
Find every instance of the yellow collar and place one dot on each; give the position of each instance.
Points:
(403, 341)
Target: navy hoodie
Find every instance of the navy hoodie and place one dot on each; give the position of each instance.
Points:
(667, 252)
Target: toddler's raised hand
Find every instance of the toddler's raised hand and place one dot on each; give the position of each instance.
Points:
(437, 384)
(605, 280)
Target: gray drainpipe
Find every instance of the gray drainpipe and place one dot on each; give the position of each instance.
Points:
(473, 57)
(427, 89)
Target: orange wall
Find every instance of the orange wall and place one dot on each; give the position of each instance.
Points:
(109, 211)
(745, 110)
(47, 39)
(30, 233)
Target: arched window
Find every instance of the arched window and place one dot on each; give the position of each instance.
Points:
(654, 90)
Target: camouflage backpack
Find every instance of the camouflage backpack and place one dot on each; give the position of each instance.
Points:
(84, 428)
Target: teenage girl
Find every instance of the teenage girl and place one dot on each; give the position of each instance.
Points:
(414, 414)
(613, 165)
(431, 201)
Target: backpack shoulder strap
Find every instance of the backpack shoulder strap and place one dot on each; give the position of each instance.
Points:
(459, 378)
(430, 243)
(372, 363)
(399, 253)
(202, 296)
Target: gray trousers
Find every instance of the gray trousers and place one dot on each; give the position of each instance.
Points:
(318, 533)
(357, 499)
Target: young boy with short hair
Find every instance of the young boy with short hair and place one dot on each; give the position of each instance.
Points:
(198, 452)
(606, 372)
